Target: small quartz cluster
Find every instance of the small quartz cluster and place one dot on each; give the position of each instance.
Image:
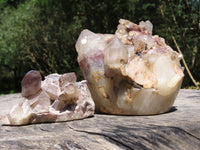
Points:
(58, 98)
(131, 72)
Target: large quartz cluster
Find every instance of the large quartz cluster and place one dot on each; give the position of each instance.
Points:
(57, 98)
(130, 72)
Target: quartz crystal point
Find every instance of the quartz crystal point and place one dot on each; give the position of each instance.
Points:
(130, 72)
(57, 98)
(31, 83)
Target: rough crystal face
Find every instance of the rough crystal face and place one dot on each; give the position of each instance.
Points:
(57, 98)
(130, 72)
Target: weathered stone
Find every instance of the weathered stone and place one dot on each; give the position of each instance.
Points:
(177, 129)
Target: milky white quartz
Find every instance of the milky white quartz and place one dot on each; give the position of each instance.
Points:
(131, 72)
(57, 98)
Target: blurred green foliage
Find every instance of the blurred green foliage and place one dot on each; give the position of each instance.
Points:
(41, 34)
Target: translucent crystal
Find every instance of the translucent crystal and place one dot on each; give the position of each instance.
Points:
(58, 98)
(130, 72)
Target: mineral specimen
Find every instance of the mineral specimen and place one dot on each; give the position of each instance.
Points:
(130, 72)
(57, 98)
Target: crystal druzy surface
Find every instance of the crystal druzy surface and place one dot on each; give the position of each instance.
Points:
(131, 72)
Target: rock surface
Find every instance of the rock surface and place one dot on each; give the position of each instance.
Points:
(177, 129)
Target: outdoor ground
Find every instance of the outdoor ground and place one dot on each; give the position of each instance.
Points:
(177, 129)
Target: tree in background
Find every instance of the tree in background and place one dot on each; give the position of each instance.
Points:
(182, 19)
(41, 34)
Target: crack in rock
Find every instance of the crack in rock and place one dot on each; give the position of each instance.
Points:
(101, 134)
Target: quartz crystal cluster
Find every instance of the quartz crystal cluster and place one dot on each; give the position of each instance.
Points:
(57, 98)
(131, 72)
